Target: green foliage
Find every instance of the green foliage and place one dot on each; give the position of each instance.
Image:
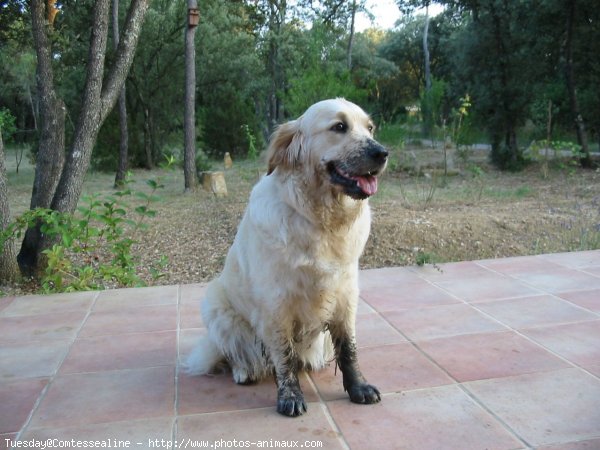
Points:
(203, 162)
(459, 125)
(7, 124)
(231, 78)
(318, 84)
(556, 146)
(376, 76)
(562, 155)
(422, 258)
(392, 135)
(499, 78)
(92, 248)
(252, 150)
(431, 105)
(154, 92)
(506, 157)
(252, 55)
(323, 73)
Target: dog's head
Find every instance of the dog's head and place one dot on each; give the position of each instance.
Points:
(333, 142)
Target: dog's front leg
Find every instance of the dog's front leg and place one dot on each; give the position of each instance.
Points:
(354, 382)
(290, 399)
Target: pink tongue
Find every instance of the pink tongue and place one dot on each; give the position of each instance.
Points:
(367, 183)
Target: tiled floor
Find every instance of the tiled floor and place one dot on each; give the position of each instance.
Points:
(497, 354)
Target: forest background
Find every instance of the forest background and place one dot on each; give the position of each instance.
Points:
(518, 77)
(262, 62)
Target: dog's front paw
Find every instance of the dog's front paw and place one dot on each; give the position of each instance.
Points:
(364, 393)
(290, 402)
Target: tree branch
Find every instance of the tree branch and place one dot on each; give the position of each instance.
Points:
(124, 56)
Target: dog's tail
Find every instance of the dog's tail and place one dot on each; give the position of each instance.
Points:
(206, 358)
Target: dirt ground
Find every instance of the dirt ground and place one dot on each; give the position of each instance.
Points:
(416, 219)
(476, 213)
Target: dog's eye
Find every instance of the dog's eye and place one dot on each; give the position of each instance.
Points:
(370, 128)
(340, 127)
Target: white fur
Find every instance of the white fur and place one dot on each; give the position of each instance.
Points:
(292, 270)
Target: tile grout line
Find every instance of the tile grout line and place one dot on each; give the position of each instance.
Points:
(539, 344)
(456, 382)
(175, 425)
(555, 295)
(544, 257)
(487, 315)
(327, 413)
(501, 421)
(52, 378)
(583, 269)
(537, 291)
(476, 400)
(515, 330)
(416, 346)
(321, 402)
(531, 286)
(461, 385)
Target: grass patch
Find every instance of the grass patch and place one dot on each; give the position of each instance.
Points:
(509, 194)
(422, 258)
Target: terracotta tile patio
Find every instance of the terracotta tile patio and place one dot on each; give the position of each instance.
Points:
(495, 354)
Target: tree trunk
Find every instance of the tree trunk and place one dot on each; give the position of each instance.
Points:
(189, 156)
(351, 37)
(99, 98)
(123, 136)
(578, 122)
(277, 13)
(148, 140)
(426, 50)
(9, 270)
(508, 155)
(511, 144)
(88, 124)
(51, 147)
(428, 118)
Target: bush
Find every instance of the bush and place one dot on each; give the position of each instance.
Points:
(252, 150)
(203, 162)
(93, 248)
(7, 124)
(393, 135)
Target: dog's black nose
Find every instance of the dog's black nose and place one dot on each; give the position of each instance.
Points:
(376, 151)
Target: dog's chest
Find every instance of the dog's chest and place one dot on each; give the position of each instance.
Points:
(327, 248)
(316, 292)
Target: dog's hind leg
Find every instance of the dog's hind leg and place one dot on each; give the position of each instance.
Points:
(205, 358)
(233, 337)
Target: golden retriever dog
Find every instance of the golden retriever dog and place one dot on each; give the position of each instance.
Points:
(286, 299)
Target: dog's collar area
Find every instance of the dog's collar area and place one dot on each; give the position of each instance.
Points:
(359, 187)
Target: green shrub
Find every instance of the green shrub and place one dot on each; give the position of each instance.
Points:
(393, 135)
(203, 162)
(92, 248)
(252, 150)
(422, 258)
(7, 124)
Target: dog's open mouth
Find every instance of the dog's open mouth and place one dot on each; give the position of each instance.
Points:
(357, 186)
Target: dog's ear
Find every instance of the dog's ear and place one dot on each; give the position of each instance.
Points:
(285, 147)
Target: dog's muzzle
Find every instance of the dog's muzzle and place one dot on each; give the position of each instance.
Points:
(358, 175)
